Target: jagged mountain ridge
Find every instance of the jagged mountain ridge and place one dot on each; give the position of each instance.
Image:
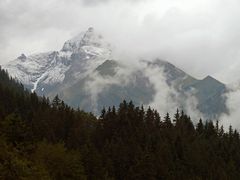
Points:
(44, 71)
(85, 75)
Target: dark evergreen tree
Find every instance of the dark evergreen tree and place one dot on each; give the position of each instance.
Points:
(43, 140)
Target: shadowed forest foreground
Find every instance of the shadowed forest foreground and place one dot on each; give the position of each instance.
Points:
(40, 139)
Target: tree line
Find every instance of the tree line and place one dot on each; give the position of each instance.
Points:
(43, 139)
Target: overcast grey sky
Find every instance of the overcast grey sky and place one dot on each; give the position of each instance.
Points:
(200, 36)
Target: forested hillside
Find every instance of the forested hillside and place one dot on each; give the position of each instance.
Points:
(40, 139)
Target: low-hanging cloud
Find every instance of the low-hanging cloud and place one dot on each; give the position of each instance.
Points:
(233, 104)
(167, 98)
(97, 84)
(164, 98)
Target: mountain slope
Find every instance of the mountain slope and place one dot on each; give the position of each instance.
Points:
(210, 96)
(208, 91)
(84, 74)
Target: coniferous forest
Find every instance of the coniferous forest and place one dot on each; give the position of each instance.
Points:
(42, 139)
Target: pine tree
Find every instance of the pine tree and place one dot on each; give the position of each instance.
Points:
(56, 102)
(167, 121)
(176, 117)
(200, 127)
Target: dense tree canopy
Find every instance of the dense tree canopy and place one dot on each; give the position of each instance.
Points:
(40, 139)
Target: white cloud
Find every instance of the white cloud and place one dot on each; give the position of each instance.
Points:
(233, 104)
(167, 98)
(97, 84)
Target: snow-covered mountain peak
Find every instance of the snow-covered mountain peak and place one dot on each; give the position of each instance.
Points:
(91, 38)
(79, 56)
(87, 38)
(23, 57)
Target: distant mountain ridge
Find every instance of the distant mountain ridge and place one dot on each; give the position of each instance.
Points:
(84, 74)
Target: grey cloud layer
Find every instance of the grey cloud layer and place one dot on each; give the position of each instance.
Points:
(201, 37)
(97, 2)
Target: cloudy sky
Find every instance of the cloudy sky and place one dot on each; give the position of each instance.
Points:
(200, 36)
